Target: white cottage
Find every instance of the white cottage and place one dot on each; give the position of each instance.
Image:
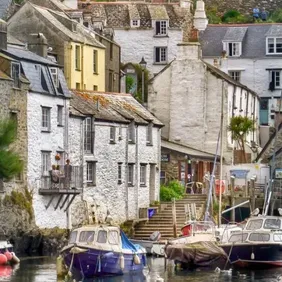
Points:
(117, 142)
(187, 97)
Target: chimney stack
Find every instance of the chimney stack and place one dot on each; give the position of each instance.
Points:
(200, 18)
(37, 43)
(3, 35)
(185, 4)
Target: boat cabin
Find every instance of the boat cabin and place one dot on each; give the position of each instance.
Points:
(196, 227)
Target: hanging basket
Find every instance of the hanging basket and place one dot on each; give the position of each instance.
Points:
(57, 157)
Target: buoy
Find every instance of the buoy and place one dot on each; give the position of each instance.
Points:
(136, 259)
(252, 256)
(8, 255)
(121, 262)
(3, 259)
(15, 259)
(61, 268)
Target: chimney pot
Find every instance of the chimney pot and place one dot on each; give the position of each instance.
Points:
(3, 35)
(37, 43)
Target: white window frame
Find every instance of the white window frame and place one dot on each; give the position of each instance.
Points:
(15, 74)
(149, 134)
(60, 114)
(135, 23)
(112, 134)
(162, 53)
(91, 173)
(45, 163)
(277, 78)
(54, 75)
(131, 132)
(274, 46)
(235, 74)
(162, 176)
(130, 174)
(143, 174)
(119, 173)
(236, 52)
(88, 140)
(46, 118)
(163, 28)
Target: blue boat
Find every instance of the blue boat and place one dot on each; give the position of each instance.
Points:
(101, 250)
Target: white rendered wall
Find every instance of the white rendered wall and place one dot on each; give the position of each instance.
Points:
(39, 141)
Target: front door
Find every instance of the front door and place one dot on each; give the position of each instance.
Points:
(263, 113)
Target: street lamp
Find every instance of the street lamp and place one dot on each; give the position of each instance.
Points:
(143, 65)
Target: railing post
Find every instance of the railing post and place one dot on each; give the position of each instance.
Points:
(232, 195)
(174, 218)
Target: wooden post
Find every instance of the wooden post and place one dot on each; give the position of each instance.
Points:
(252, 194)
(232, 195)
(174, 218)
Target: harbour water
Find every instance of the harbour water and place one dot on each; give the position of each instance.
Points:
(44, 270)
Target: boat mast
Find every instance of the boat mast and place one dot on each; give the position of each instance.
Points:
(221, 156)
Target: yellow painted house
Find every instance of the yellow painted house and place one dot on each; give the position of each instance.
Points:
(70, 43)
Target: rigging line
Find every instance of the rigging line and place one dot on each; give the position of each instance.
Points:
(269, 192)
(212, 179)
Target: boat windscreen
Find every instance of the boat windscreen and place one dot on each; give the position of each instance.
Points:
(102, 236)
(113, 238)
(86, 236)
(272, 223)
(240, 237)
(263, 237)
(254, 224)
(73, 237)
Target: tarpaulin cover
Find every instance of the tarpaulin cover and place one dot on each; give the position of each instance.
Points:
(200, 253)
(126, 244)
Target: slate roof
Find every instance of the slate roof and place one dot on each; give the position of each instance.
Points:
(254, 40)
(36, 70)
(51, 4)
(235, 34)
(114, 107)
(63, 23)
(119, 14)
(4, 5)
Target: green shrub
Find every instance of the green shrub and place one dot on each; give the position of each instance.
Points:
(213, 16)
(172, 190)
(233, 16)
(276, 16)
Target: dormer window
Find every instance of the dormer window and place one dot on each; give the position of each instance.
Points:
(161, 28)
(54, 74)
(233, 49)
(135, 23)
(273, 46)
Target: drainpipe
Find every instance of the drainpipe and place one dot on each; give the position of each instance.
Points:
(126, 174)
(137, 173)
(68, 64)
(82, 66)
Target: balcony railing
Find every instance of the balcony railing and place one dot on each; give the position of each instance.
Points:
(63, 179)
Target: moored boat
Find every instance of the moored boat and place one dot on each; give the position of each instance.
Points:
(99, 250)
(7, 256)
(257, 244)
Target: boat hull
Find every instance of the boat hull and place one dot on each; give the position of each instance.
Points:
(264, 255)
(94, 262)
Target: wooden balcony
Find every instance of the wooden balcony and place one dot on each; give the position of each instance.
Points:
(62, 186)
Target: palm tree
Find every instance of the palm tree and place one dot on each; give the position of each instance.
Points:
(10, 162)
(240, 127)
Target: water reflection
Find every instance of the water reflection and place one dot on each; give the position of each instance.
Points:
(44, 270)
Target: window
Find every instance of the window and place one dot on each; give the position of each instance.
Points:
(46, 119)
(149, 140)
(86, 236)
(275, 80)
(15, 74)
(130, 174)
(233, 49)
(73, 236)
(161, 28)
(254, 224)
(91, 173)
(54, 74)
(112, 134)
(77, 86)
(88, 136)
(274, 46)
(102, 236)
(238, 237)
(119, 173)
(77, 57)
(143, 169)
(135, 23)
(277, 237)
(113, 237)
(160, 54)
(95, 87)
(95, 61)
(162, 177)
(60, 115)
(236, 75)
(45, 163)
(131, 132)
(272, 224)
(259, 237)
